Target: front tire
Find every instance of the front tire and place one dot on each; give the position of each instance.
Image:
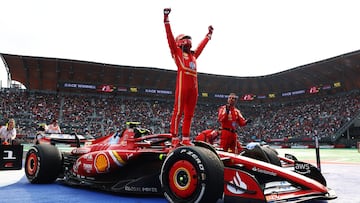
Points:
(43, 164)
(192, 174)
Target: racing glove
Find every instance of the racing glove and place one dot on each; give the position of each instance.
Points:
(211, 29)
(166, 14)
(248, 121)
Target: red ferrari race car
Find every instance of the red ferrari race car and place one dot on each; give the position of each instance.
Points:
(138, 162)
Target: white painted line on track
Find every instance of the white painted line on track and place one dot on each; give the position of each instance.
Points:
(10, 177)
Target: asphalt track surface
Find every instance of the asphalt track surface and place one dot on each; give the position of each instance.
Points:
(341, 169)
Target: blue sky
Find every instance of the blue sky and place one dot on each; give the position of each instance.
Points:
(251, 38)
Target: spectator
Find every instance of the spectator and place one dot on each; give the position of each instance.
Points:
(8, 132)
(294, 119)
(53, 127)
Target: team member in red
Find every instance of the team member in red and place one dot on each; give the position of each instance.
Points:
(186, 92)
(230, 118)
(209, 135)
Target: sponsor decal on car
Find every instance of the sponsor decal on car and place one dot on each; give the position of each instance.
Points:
(80, 150)
(272, 197)
(241, 184)
(132, 189)
(236, 181)
(88, 157)
(141, 189)
(88, 167)
(302, 168)
(102, 163)
(259, 170)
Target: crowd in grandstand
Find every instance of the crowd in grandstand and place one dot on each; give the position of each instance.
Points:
(101, 114)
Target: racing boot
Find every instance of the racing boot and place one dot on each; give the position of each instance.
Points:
(175, 142)
(186, 141)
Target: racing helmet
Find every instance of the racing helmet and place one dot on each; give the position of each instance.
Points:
(183, 40)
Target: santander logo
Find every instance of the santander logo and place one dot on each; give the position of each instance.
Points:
(238, 182)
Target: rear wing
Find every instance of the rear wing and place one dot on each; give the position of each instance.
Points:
(71, 139)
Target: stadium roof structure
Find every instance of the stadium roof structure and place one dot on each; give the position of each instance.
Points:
(40, 73)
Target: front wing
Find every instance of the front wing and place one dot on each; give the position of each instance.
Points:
(245, 186)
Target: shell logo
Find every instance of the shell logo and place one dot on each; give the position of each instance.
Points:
(101, 163)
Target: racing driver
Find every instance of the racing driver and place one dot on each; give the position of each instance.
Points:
(186, 92)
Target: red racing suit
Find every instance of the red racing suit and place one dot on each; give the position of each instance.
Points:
(208, 136)
(229, 121)
(186, 92)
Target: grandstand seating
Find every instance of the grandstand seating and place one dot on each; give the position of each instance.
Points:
(99, 114)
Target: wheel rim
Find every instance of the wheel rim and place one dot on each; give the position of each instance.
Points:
(32, 164)
(183, 179)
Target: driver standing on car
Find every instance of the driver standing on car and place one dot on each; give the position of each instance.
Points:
(230, 118)
(8, 132)
(186, 92)
(53, 127)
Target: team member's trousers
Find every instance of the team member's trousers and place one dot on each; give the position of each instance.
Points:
(228, 141)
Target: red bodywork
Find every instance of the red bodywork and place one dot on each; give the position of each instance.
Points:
(109, 153)
(307, 187)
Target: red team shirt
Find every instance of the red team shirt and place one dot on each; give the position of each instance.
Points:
(231, 120)
(229, 123)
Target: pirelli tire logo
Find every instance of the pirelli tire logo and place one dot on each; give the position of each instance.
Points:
(11, 157)
(195, 158)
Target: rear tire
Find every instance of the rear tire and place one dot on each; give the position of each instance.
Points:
(272, 155)
(192, 174)
(263, 153)
(43, 164)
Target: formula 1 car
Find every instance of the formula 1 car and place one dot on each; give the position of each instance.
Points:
(138, 162)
